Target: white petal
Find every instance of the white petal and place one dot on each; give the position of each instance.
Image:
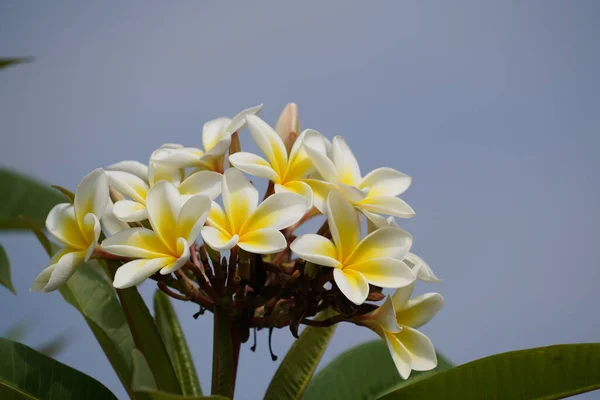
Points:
(183, 248)
(316, 249)
(383, 317)
(63, 225)
(159, 171)
(384, 272)
(264, 241)
(136, 243)
(351, 193)
(422, 352)
(314, 145)
(253, 165)
(217, 239)
(163, 204)
(179, 158)
(130, 211)
(269, 142)
(297, 187)
(136, 271)
(42, 279)
(213, 131)
(345, 162)
(420, 309)
(320, 190)
(240, 198)
(192, 216)
(218, 219)
(343, 224)
(401, 296)
(376, 221)
(382, 243)
(300, 164)
(385, 182)
(387, 205)
(400, 355)
(110, 222)
(133, 167)
(202, 182)
(91, 195)
(352, 284)
(239, 120)
(214, 156)
(63, 270)
(91, 230)
(421, 269)
(278, 211)
(128, 185)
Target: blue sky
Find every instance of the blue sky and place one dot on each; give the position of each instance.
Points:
(491, 107)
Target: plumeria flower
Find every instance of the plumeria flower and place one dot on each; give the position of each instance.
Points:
(243, 222)
(77, 227)
(175, 226)
(397, 320)
(376, 259)
(133, 167)
(216, 138)
(136, 189)
(374, 193)
(287, 171)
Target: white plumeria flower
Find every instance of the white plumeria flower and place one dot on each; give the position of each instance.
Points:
(243, 222)
(109, 221)
(375, 193)
(287, 171)
(136, 189)
(175, 226)
(397, 320)
(133, 167)
(216, 138)
(77, 227)
(376, 259)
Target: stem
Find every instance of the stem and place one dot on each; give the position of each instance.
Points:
(224, 354)
(270, 190)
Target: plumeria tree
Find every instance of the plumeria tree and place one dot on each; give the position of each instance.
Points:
(193, 222)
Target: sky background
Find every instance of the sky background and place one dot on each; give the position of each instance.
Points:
(491, 107)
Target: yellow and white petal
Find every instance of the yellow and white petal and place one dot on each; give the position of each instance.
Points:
(163, 204)
(217, 151)
(63, 270)
(400, 354)
(136, 271)
(316, 249)
(136, 243)
(269, 142)
(376, 221)
(352, 284)
(351, 193)
(343, 224)
(91, 231)
(62, 224)
(133, 167)
(299, 163)
(162, 172)
(320, 190)
(264, 241)
(253, 165)
(382, 243)
(382, 318)
(419, 310)
(421, 269)
(218, 219)
(213, 131)
(217, 239)
(240, 198)
(128, 185)
(385, 182)
(192, 216)
(239, 120)
(202, 182)
(183, 249)
(314, 145)
(130, 211)
(420, 348)
(299, 188)
(401, 296)
(345, 162)
(278, 211)
(179, 158)
(384, 272)
(110, 223)
(387, 205)
(91, 195)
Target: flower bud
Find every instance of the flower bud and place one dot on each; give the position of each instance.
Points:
(288, 125)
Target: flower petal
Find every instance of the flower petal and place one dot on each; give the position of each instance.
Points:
(62, 271)
(91, 195)
(387, 205)
(239, 120)
(110, 222)
(217, 239)
(183, 248)
(136, 243)
(384, 272)
(130, 211)
(133, 167)
(382, 243)
(385, 182)
(299, 188)
(278, 211)
(159, 171)
(419, 310)
(343, 224)
(192, 216)
(218, 219)
(213, 158)
(316, 249)
(421, 269)
(163, 204)
(401, 296)
(264, 241)
(240, 198)
(179, 158)
(202, 182)
(400, 354)
(351, 193)
(345, 162)
(314, 145)
(299, 163)
(128, 185)
(382, 318)
(136, 271)
(42, 279)
(269, 142)
(352, 284)
(213, 131)
(91, 231)
(253, 165)
(62, 224)
(320, 191)
(420, 348)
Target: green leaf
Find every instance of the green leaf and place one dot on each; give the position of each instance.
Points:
(363, 372)
(94, 297)
(298, 366)
(27, 374)
(22, 195)
(5, 271)
(39, 234)
(67, 194)
(7, 62)
(177, 347)
(552, 372)
(146, 336)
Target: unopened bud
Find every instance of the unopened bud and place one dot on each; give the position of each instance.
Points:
(288, 125)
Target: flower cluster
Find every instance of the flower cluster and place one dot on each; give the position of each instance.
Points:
(147, 221)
